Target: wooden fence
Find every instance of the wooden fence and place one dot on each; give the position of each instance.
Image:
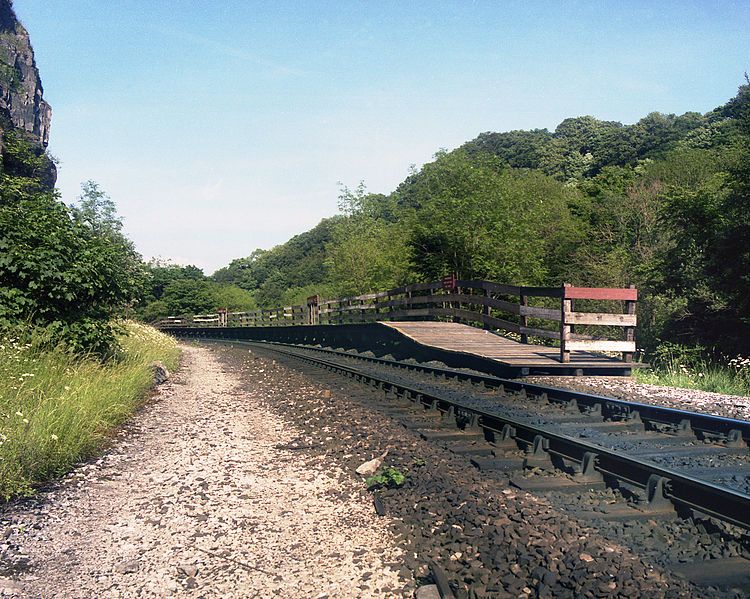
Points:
(549, 313)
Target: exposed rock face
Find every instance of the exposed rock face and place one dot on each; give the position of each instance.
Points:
(21, 89)
(22, 108)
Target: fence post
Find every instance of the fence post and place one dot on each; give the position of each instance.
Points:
(312, 309)
(486, 310)
(565, 309)
(457, 303)
(629, 331)
(523, 300)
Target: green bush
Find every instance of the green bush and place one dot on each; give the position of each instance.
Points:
(58, 269)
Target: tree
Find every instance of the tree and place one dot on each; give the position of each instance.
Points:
(298, 263)
(96, 208)
(56, 270)
(481, 220)
(368, 248)
(519, 149)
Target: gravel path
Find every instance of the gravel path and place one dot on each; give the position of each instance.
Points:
(200, 496)
(729, 406)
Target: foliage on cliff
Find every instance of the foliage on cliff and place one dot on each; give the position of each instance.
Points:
(61, 268)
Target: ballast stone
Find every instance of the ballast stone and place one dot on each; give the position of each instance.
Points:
(428, 591)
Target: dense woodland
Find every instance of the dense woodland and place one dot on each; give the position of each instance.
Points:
(663, 204)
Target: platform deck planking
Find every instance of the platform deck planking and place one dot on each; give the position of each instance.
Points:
(466, 339)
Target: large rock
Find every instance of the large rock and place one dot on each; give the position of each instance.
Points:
(161, 374)
(371, 466)
(21, 103)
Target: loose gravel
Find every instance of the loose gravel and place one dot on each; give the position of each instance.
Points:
(239, 481)
(489, 539)
(729, 406)
(205, 494)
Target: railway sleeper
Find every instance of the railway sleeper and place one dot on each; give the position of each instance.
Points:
(733, 572)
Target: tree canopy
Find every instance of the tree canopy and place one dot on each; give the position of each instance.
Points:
(661, 203)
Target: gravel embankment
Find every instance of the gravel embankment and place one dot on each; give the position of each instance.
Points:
(491, 539)
(729, 406)
(238, 481)
(200, 497)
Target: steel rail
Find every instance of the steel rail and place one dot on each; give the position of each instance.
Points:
(736, 432)
(660, 482)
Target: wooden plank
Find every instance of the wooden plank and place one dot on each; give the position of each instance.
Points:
(407, 313)
(597, 345)
(542, 291)
(499, 323)
(545, 313)
(511, 289)
(489, 286)
(600, 293)
(540, 333)
(418, 287)
(459, 337)
(617, 320)
(479, 300)
(356, 308)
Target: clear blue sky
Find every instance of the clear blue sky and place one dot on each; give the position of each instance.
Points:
(218, 127)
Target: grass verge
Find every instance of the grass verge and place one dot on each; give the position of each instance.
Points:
(732, 378)
(56, 409)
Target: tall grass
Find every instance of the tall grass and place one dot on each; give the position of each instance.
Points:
(57, 409)
(687, 368)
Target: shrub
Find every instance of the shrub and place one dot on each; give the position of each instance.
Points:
(58, 269)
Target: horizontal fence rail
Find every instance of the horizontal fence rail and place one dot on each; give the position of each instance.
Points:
(551, 314)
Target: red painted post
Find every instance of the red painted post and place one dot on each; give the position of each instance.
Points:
(629, 331)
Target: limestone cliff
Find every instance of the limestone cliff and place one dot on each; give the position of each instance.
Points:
(22, 106)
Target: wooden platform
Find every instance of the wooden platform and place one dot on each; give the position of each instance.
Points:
(533, 359)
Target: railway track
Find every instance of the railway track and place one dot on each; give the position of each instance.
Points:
(662, 463)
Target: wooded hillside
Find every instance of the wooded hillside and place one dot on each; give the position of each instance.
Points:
(662, 204)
